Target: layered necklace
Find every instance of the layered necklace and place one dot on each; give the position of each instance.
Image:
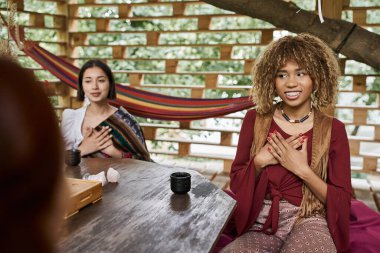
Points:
(286, 117)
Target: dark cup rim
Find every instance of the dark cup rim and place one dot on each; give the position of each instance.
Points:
(73, 150)
(179, 175)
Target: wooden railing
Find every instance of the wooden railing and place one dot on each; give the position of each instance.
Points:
(164, 42)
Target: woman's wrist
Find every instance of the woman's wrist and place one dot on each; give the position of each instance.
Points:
(258, 164)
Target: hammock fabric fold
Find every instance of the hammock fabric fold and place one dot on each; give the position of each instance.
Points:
(139, 102)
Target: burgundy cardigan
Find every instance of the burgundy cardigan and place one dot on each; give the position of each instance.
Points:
(282, 184)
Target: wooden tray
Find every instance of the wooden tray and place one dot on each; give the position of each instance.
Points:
(82, 193)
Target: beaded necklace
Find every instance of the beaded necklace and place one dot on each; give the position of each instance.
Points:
(286, 117)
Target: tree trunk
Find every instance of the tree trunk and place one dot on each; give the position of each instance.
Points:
(361, 45)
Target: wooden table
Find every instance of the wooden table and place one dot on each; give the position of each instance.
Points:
(141, 214)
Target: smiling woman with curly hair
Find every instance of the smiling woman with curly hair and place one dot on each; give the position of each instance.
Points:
(316, 58)
(291, 174)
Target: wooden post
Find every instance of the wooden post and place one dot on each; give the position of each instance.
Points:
(204, 22)
(183, 149)
(377, 133)
(197, 93)
(149, 133)
(354, 147)
(179, 8)
(211, 81)
(118, 52)
(227, 166)
(124, 11)
(171, 66)
(20, 4)
(225, 52)
(266, 36)
(332, 8)
(135, 79)
(60, 22)
(360, 116)
(225, 138)
(359, 83)
(77, 39)
(248, 65)
(152, 38)
(359, 17)
(370, 164)
(37, 20)
(184, 125)
(73, 10)
(102, 25)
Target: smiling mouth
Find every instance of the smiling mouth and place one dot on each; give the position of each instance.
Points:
(292, 94)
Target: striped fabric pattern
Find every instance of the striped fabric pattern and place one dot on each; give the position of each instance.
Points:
(139, 102)
(127, 134)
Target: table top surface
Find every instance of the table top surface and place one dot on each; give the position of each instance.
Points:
(141, 214)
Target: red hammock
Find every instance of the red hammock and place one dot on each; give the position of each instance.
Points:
(139, 102)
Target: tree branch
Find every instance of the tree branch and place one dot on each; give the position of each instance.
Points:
(361, 45)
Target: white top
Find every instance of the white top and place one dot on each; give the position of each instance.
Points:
(71, 126)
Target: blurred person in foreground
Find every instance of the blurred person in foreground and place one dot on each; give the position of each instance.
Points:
(31, 167)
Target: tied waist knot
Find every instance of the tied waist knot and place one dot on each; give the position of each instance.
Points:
(273, 215)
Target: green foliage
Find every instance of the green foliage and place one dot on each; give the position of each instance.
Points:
(40, 6)
(152, 11)
(210, 38)
(234, 80)
(363, 3)
(238, 23)
(136, 65)
(204, 9)
(95, 52)
(117, 39)
(98, 12)
(211, 66)
(373, 16)
(174, 52)
(246, 52)
(154, 25)
(175, 79)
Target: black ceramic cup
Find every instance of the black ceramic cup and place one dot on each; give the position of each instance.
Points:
(180, 182)
(72, 157)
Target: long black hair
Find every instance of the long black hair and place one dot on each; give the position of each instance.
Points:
(106, 69)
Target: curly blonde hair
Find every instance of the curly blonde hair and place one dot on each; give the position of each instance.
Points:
(309, 52)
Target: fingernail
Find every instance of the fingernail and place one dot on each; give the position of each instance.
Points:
(275, 131)
(300, 134)
(302, 141)
(269, 149)
(269, 139)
